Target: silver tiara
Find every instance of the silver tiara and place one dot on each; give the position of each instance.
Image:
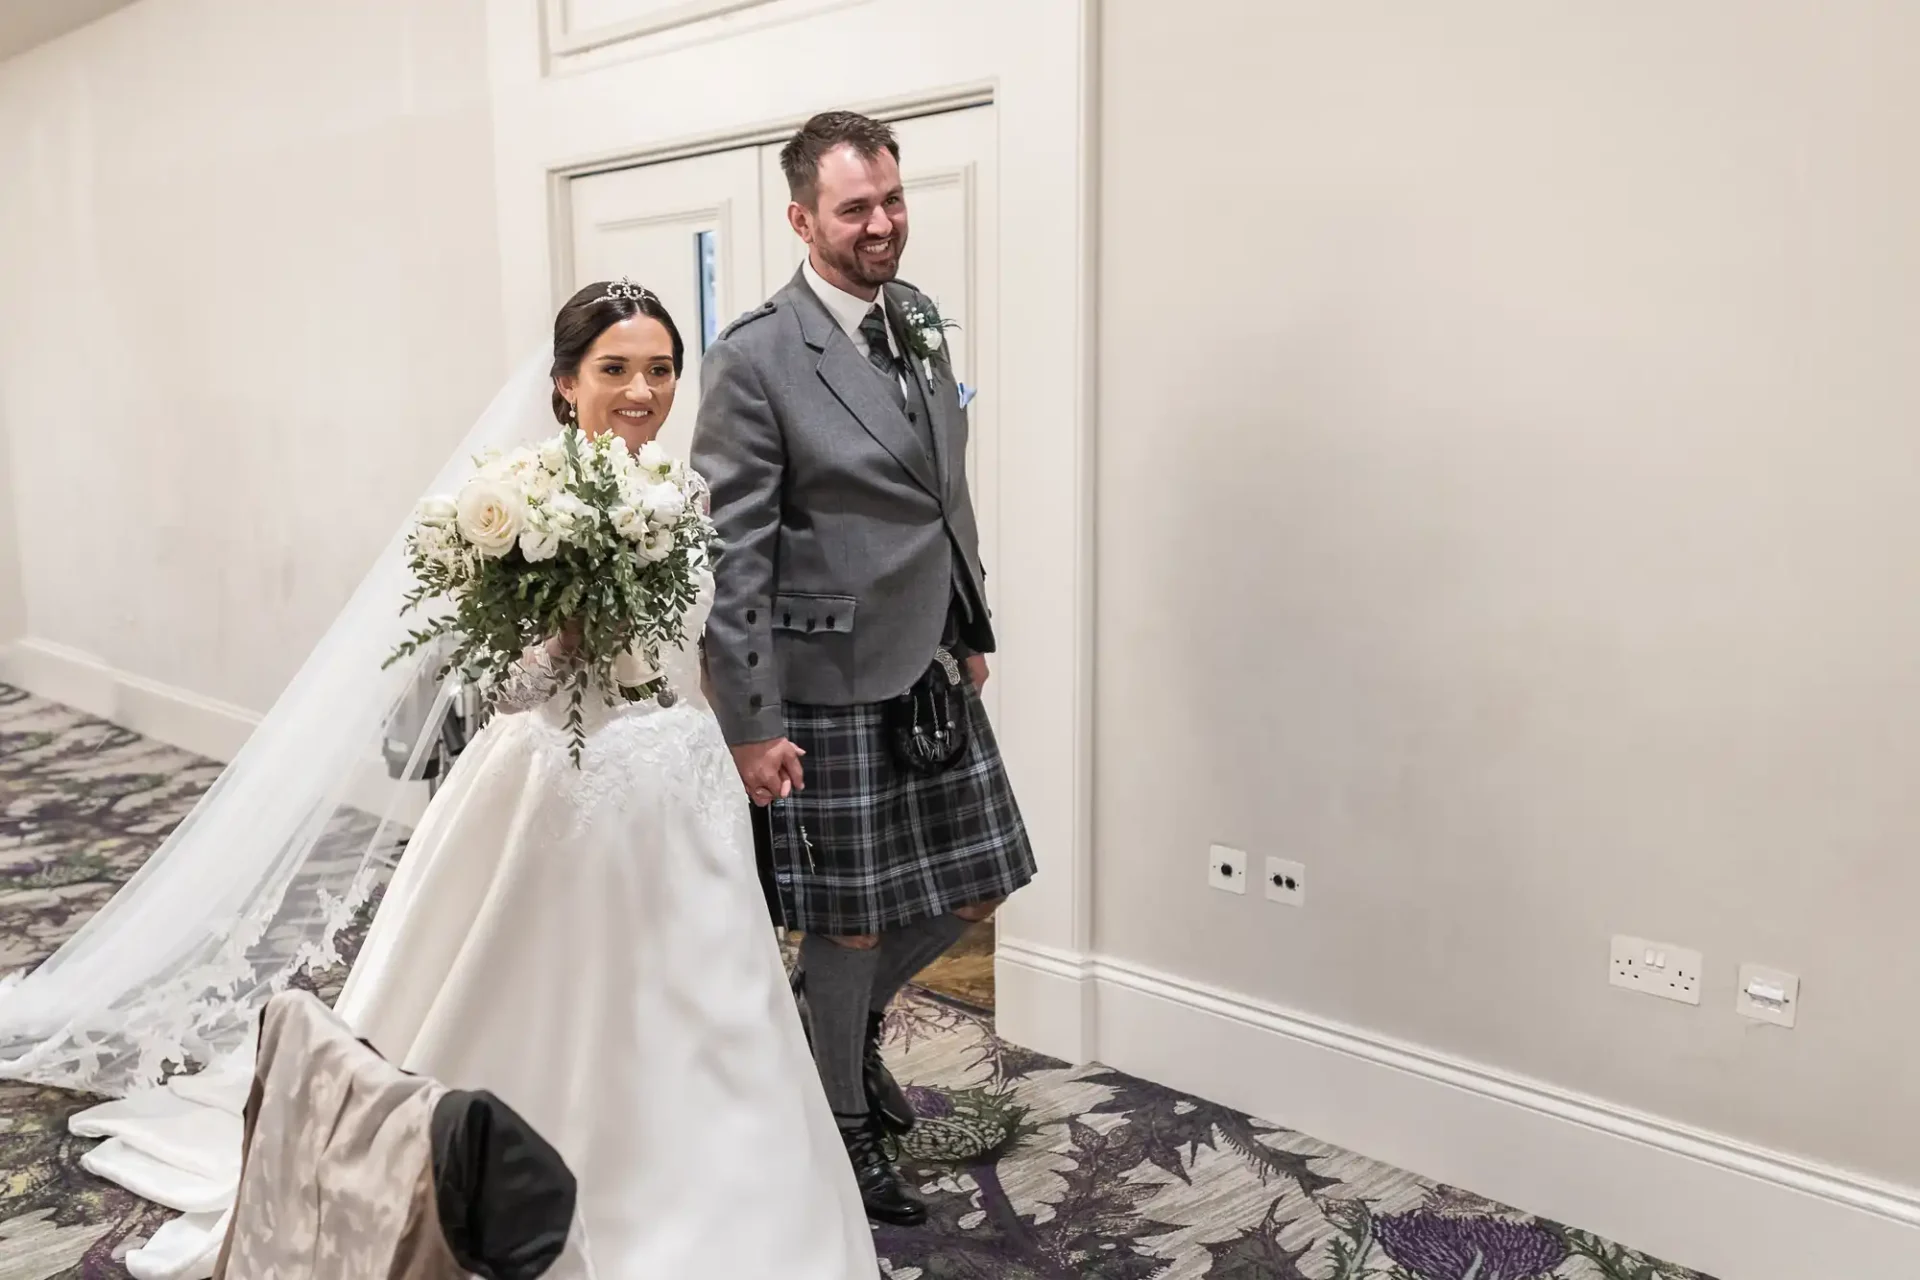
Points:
(626, 290)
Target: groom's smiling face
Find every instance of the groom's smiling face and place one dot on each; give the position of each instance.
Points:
(857, 227)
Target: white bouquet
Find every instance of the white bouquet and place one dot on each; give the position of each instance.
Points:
(570, 536)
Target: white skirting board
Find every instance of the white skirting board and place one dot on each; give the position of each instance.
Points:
(205, 726)
(1697, 1199)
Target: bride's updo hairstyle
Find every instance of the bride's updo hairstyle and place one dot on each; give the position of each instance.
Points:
(590, 313)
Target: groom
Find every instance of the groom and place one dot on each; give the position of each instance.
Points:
(833, 436)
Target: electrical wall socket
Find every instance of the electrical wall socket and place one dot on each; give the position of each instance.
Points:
(1656, 969)
(1227, 869)
(1768, 995)
(1286, 882)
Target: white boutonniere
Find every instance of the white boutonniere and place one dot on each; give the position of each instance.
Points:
(927, 333)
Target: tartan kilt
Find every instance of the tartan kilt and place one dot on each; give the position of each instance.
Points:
(889, 847)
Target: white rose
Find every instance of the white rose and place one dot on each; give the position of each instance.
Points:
(664, 503)
(568, 515)
(933, 338)
(656, 545)
(655, 459)
(490, 514)
(629, 522)
(631, 670)
(437, 512)
(553, 456)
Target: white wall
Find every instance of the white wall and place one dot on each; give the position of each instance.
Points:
(1509, 488)
(13, 605)
(249, 297)
(1504, 472)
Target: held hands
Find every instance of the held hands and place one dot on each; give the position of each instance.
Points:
(771, 770)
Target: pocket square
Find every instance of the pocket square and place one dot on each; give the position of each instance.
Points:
(967, 394)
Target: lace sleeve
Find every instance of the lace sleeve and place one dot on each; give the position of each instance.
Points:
(533, 681)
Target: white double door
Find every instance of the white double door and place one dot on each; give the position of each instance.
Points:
(710, 236)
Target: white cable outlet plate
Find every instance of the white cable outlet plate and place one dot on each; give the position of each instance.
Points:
(1656, 969)
(1286, 882)
(1768, 995)
(1227, 869)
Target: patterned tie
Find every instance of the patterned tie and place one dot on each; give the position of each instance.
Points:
(874, 330)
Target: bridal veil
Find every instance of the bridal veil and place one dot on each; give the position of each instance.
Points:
(279, 857)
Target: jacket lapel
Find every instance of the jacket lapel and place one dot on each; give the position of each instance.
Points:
(939, 428)
(856, 385)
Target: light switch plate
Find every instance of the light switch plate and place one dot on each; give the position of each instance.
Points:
(1656, 969)
(1227, 869)
(1768, 995)
(1286, 882)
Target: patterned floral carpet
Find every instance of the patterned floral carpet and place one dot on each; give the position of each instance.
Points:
(1035, 1171)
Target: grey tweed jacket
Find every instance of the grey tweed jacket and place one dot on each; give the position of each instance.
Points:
(843, 534)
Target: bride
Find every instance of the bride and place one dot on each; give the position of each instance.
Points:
(588, 943)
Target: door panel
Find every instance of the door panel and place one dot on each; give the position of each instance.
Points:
(690, 231)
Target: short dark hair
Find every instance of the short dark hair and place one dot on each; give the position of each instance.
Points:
(590, 313)
(800, 158)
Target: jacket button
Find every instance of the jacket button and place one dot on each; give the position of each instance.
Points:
(788, 621)
(810, 624)
(753, 703)
(753, 616)
(829, 622)
(753, 659)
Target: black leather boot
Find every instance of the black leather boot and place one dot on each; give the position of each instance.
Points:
(883, 1192)
(885, 1098)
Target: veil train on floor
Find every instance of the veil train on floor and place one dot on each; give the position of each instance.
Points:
(279, 857)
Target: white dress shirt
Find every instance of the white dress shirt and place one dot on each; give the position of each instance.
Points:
(848, 311)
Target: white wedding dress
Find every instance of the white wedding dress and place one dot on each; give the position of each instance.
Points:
(592, 946)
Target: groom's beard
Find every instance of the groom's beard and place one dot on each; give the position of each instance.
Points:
(868, 270)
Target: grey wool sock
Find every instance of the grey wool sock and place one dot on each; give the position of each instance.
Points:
(839, 985)
(904, 952)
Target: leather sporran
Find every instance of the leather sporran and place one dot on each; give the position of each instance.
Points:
(927, 724)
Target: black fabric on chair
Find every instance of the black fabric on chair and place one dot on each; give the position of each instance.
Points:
(506, 1198)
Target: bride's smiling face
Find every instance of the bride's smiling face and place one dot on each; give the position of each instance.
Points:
(626, 381)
